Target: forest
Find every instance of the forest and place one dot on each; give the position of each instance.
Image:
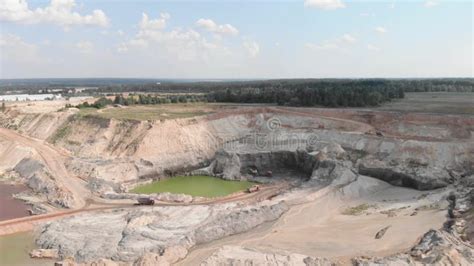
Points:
(356, 95)
(291, 92)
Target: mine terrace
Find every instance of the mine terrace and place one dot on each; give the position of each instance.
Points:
(182, 179)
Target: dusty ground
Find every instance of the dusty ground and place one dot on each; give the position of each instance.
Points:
(46, 106)
(318, 228)
(120, 144)
(54, 161)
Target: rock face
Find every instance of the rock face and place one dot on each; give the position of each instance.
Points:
(126, 235)
(382, 232)
(435, 248)
(36, 176)
(44, 253)
(236, 166)
(461, 210)
(227, 165)
(169, 256)
(228, 223)
(418, 177)
(234, 255)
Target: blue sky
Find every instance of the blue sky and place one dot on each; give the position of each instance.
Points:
(236, 39)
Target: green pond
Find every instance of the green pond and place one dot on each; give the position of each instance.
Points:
(204, 186)
(14, 250)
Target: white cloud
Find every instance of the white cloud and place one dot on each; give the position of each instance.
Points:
(59, 12)
(14, 49)
(253, 49)
(120, 33)
(334, 44)
(373, 48)
(348, 38)
(325, 4)
(85, 47)
(380, 30)
(154, 24)
(431, 3)
(11, 40)
(210, 25)
(177, 44)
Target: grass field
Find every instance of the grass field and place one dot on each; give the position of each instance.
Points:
(152, 112)
(434, 102)
(203, 186)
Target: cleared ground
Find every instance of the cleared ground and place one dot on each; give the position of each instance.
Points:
(434, 102)
(202, 186)
(152, 112)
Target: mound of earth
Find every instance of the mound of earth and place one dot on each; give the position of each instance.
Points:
(126, 235)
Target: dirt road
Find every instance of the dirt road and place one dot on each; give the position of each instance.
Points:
(28, 223)
(359, 126)
(54, 160)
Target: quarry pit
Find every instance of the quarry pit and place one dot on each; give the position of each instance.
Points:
(343, 186)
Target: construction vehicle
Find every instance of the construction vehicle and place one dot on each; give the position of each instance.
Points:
(145, 201)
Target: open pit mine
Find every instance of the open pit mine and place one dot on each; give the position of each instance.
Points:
(300, 186)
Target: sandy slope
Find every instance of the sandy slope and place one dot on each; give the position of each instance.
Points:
(54, 161)
(318, 228)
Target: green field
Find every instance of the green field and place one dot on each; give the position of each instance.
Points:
(151, 112)
(433, 102)
(14, 251)
(204, 186)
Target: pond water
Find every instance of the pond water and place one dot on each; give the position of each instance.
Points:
(203, 186)
(15, 248)
(11, 208)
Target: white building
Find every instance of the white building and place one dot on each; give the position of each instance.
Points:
(29, 97)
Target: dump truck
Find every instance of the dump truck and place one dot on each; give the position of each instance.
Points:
(145, 201)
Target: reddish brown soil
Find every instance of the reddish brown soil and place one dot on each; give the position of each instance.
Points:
(11, 208)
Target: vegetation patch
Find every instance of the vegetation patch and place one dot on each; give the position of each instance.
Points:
(60, 133)
(357, 210)
(434, 102)
(202, 186)
(73, 143)
(150, 112)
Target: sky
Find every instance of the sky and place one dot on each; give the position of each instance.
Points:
(236, 39)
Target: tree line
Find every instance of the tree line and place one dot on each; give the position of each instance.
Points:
(140, 99)
(354, 95)
(408, 85)
(292, 92)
